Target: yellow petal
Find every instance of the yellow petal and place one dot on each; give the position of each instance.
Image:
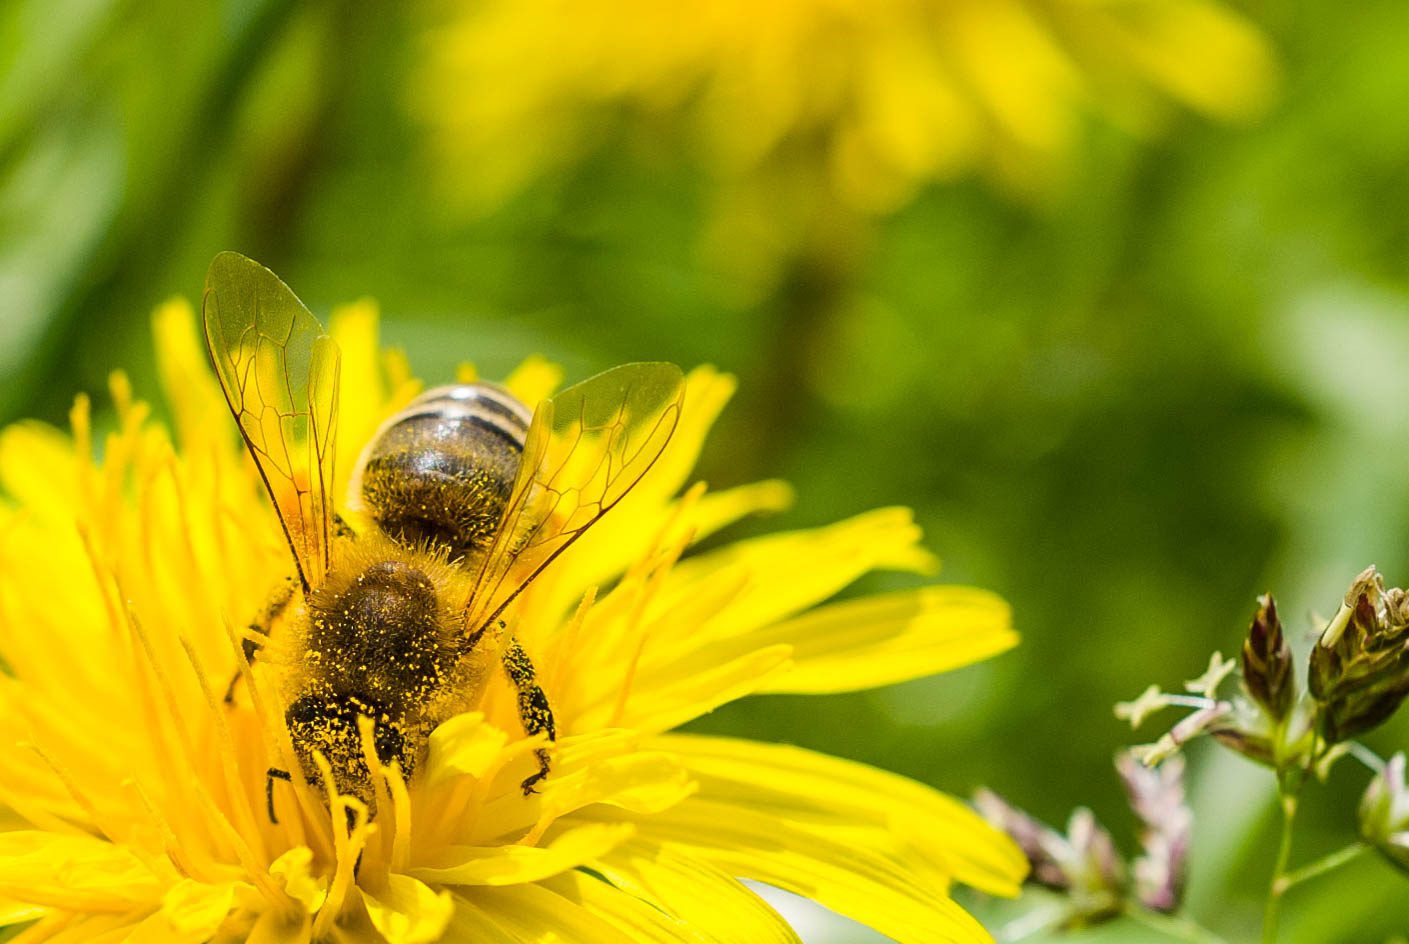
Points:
(190, 914)
(88, 929)
(76, 873)
(922, 827)
(511, 865)
(789, 572)
(617, 540)
(195, 400)
(527, 914)
(706, 393)
(18, 912)
(294, 871)
(727, 596)
(668, 697)
(880, 640)
(717, 510)
(1236, 74)
(470, 922)
(362, 392)
(616, 543)
(409, 912)
(634, 919)
(464, 744)
(642, 781)
(861, 882)
(195, 910)
(38, 471)
(273, 927)
(534, 380)
(714, 904)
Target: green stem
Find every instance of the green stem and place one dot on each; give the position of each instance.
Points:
(1180, 929)
(1273, 912)
(1324, 864)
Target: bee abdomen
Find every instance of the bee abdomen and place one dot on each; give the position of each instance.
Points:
(439, 473)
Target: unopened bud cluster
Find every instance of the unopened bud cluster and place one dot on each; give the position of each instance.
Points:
(1357, 676)
(1384, 813)
(1360, 666)
(1084, 865)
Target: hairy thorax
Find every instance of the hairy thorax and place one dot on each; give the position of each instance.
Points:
(382, 640)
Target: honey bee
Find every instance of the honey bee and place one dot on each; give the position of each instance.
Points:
(462, 499)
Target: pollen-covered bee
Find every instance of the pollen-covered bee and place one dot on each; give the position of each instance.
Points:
(462, 499)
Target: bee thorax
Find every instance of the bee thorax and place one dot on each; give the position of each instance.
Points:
(378, 640)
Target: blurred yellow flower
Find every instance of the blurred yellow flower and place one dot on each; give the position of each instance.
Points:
(132, 797)
(806, 110)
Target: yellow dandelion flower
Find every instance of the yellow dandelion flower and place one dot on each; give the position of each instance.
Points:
(134, 792)
(807, 111)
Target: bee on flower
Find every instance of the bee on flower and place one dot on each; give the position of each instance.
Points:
(529, 784)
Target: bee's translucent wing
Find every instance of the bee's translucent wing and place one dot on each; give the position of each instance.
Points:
(586, 448)
(280, 374)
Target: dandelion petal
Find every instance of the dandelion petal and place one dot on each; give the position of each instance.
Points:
(881, 640)
(409, 912)
(511, 864)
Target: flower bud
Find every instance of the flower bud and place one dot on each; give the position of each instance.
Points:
(1359, 670)
(1041, 845)
(1157, 798)
(1083, 865)
(1268, 675)
(1096, 870)
(1384, 813)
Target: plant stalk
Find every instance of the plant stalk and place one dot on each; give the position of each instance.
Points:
(1174, 927)
(1273, 911)
(1322, 865)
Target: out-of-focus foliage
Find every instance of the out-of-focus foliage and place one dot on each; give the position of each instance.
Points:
(1171, 382)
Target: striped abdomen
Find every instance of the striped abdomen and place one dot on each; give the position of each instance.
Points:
(438, 474)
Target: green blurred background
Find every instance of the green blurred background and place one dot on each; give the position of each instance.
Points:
(1133, 349)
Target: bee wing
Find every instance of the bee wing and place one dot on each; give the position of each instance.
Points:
(280, 374)
(585, 449)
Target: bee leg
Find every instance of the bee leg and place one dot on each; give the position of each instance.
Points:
(274, 773)
(249, 647)
(278, 602)
(473, 639)
(534, 712)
